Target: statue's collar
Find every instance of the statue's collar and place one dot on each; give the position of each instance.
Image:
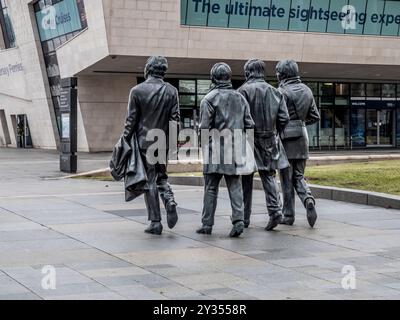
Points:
(222, 85)
(155, 79)
(291, 80)
(255, 79)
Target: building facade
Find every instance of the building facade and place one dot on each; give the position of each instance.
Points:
(348, 52)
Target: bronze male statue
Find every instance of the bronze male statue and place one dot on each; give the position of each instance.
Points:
(223, 110)
(152, 105)
(303, 111)
(268, 109)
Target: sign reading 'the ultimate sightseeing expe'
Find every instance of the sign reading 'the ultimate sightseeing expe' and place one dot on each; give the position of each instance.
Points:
(369, 17)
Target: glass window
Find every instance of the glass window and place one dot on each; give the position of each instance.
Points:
(342, 127)
(326, 89)
(195, 14)
(218, 20)
(6, 26)
(187, 86)
(183, 11)
(313, 135)
(238, 20)
(335, 23)
(200, 97)
(313, 86)
(187, 100)
(391, 8)
(357, 19)
(318, 25)
(274, 83)
(389, 91)
(373, 90)
(342, 89)
(203, 86)
(257, 20)
(398, 128)
(358, 90)
(280, 21)
(374, 10)
(341, 101)
(300, 20)
(326, 132)
(358, 127)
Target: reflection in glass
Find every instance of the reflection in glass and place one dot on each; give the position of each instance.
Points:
(300, 20)
(326, 132)
(372, 127)
(313, 86)
(373, 90)
(326, 89)
(187, 100)
(313, 135)
(342, 89)
(388, 91)
(385, 127)
(358, 127)
(374, 9)
(358, 90)
(203, 86)
(398, 127)
(187, 86)
(199, 98)
(342, 126)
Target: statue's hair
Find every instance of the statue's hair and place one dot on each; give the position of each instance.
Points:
(221, 73)
(156, 66)
(255, 68)
(287, 69)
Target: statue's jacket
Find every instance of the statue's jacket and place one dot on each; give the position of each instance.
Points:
(152, 105)
(126, 163)
(269, 112)
(301, 106)
(222, 109)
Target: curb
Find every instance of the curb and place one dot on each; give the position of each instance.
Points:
(320, 192)
(361, 197)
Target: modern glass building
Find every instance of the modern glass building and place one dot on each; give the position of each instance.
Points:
(348, 52)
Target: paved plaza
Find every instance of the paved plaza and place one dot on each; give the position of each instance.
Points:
(95, 242)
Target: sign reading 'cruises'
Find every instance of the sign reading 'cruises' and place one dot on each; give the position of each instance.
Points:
(369, 17)
(58, 19)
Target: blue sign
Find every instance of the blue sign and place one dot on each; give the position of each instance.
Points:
(59, 19)
(374, 104)
(370, 17)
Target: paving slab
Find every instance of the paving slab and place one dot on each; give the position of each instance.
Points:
(96, 244)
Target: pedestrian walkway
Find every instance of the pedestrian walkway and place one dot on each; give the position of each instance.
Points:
(95, 242)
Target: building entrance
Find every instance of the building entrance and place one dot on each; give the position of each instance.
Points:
(380, 128)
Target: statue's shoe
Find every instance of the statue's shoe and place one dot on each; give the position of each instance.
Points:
(154, 228)
(274, 221)
(204, 230)
(172, 215)
(311, 213)
(246, 224)
(237, 229)
(288, 221)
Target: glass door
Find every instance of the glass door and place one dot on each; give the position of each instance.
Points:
(379, 127)
(385, 127)
(372, 127)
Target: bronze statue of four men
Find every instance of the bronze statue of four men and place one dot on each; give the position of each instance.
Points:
(277, 119)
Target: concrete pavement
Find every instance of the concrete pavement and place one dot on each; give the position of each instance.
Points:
(96, 244)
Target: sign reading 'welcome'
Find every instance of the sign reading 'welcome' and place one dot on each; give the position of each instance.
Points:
(369, 17)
